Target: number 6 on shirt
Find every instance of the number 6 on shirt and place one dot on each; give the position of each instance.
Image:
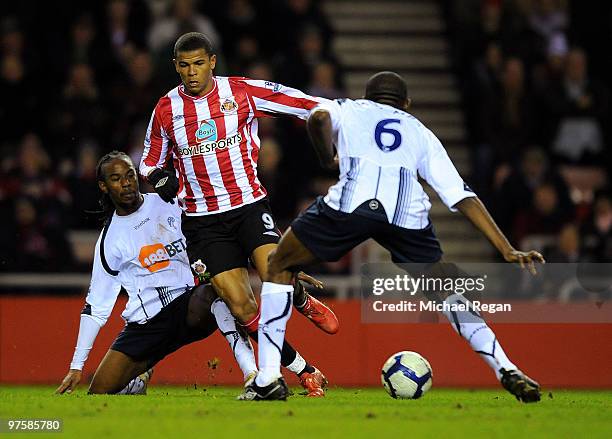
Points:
(382, 128)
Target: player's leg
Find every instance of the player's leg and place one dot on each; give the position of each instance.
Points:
(258, 235)
(422, 248)
(472, 327)
(213, 245)
(234, 287)
(119, 373)
(323, 225)
(276, 301)
(313, 309)
(311, 378)
(204, 308)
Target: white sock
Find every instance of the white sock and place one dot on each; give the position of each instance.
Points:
(471, 326)
(135, 387)
(298, 364)
(241, 347)
(276, 302)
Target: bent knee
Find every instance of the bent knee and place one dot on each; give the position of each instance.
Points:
(275, 266)
(243, 310)
(100, 389)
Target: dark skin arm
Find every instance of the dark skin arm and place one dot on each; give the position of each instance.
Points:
(473, 209)
(319, 128)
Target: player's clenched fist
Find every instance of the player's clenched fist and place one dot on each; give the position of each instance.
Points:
(165, 184)
(70, 381)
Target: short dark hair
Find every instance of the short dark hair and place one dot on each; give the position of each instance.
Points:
(193, 41)
(387, 88)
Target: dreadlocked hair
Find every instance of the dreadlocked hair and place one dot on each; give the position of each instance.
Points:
(107, 208)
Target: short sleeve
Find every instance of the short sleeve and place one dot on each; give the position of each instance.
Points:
(440, 173)
(335, 113)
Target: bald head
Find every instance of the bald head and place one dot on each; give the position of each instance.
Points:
(387, 88)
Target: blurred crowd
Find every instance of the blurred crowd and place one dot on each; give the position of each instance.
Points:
(86, 81)
(79, 79)
(536, 77)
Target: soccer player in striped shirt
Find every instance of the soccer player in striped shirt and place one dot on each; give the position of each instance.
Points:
(382, 150)
(208, 126)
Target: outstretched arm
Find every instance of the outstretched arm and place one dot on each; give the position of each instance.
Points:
(477, 213)
(88, 331)
(319, 128)
(99, 303)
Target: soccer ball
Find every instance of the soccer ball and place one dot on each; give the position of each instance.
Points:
(406, 375)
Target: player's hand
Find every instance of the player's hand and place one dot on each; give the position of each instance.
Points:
(525, 259)
(70, 382)
(310, 280)
(165, 183)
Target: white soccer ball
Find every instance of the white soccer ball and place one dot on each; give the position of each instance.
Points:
(406, 375)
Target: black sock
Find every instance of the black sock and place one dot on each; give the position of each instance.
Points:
(299, 295)
(308, 368)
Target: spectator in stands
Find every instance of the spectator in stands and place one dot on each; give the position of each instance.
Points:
(18, 98)
(142, 88)
(81, 181)
(80, 113)
(241, 19)
(303, 14)
(567, 246)
(126, 26)
(547, 19)
(597, 231)
(324, 81)
(37, 245)
(545, 216)
(297, 69)
(246, 52)
(507, 117)
(579, 107)
(517, 190)
(184, 18)
(552, 70)
(260, 70)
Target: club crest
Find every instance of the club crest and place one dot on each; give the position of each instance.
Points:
(229, 105)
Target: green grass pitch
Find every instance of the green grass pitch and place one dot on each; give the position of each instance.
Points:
(212, 412)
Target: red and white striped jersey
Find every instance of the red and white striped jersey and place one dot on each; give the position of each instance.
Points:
(213, 139)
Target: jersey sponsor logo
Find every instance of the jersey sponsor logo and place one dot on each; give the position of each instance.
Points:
(157, 256)
(229, 105)
(273, 86)
(208, 147)
(207, 131)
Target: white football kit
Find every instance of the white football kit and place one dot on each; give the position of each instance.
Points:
(143, 252)
(382, 152)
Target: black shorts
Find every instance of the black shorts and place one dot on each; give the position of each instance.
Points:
(163, 334)
(226, 240)
(330, 234)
